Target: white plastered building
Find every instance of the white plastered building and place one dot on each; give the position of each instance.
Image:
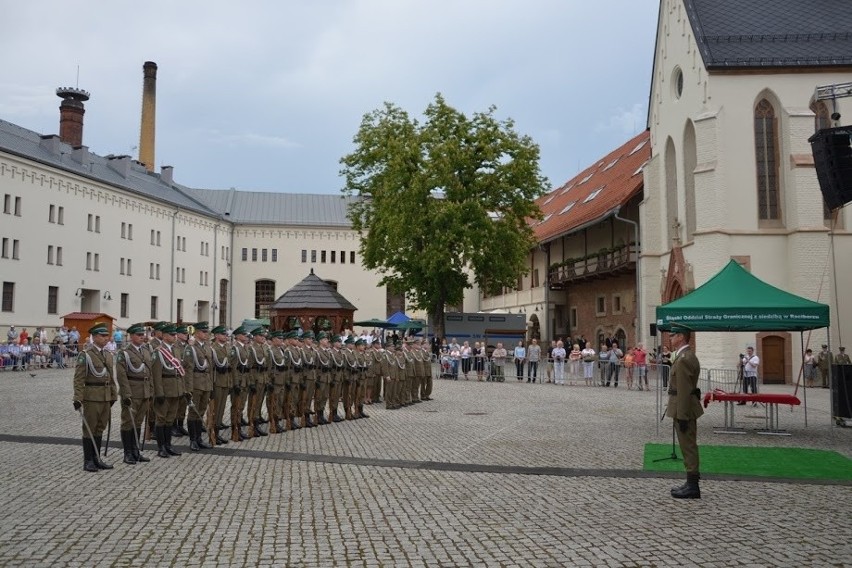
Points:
(82, 232)
(731, 173)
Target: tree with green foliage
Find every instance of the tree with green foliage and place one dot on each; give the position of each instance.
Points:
(443, 202)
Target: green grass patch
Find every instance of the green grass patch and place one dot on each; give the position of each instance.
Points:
(792, 463)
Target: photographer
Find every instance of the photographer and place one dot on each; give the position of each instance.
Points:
(750, 363)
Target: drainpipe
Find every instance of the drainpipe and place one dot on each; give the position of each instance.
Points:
(638, 273)
(172, 269)
(215, 264)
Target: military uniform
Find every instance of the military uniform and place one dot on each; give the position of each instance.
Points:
(257, 381)
(169, 387)
(276, 392)
(339, 374)
(324, 369)
(198, 363)
(222, 383)
(240, 369)
(684, 407)
(94, 394)
(842, 358)
(309, 377)
(293, 380)
(375, 378)
(363, 363)
(825, 359)
(426, 373)
(179, 349)
(350, 380)
(153, 344)
(136, 389)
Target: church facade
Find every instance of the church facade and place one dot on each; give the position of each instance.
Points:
(731, 174)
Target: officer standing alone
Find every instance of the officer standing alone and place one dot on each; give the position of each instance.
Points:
(684, 407)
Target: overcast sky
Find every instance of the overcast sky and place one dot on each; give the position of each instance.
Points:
(267, 95)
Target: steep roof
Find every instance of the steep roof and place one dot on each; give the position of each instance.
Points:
(135, 179)
(743, 34)
(595, 192)
(312, 292)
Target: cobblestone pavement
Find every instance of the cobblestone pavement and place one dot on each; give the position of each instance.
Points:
(506, 474)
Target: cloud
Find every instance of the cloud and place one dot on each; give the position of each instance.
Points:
(625, 121)
(248, 139)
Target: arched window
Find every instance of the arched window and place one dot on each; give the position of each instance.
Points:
(264, 296)
(690, 161)
(766, 153)
(672, 222)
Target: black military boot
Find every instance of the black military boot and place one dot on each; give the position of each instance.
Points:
(160, 434)
(127, 443)
(361, 413)
(137, 451)
(199, 436)
(98, 461)
(321, 421)
(258, 431)
(294, 425)
(89, 456)
(690, 490)
(194, 435)
(180, 429)
(167, 435)
(336, 417)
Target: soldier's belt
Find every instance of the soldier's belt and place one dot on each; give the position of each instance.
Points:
(262, 369)
(140, 379)
(201, 371)
(89, 384)
(223, 369)
(281, 368)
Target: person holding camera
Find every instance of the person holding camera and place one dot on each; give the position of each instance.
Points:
(750, 363)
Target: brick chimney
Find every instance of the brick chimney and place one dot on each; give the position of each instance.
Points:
(71, 111)
(149, 114)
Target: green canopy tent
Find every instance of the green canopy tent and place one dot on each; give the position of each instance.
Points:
(736, 300)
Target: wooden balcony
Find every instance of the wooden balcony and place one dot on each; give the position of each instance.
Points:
(604, 265)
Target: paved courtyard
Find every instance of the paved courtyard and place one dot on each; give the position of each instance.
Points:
(505, 474)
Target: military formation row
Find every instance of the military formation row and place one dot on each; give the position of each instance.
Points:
(294, 376)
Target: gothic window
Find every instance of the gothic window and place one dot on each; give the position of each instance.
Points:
(766, 153)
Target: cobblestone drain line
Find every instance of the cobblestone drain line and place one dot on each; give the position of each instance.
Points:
(443, 466)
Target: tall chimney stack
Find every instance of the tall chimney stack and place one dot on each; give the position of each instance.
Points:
(71, 111)
(149, 114)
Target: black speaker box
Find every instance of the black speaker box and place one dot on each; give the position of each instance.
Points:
(832, 150)
(653, 330)
(841, 391)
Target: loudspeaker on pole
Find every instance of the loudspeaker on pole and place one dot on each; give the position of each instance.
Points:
(832, 151)
(653, 330)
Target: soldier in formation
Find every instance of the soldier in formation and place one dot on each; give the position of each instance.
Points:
(95, 392)
(135, 389)
(287, 373)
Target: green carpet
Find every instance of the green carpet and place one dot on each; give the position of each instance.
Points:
(756, 462)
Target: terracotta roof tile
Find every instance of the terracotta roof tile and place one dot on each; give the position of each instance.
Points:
(598, 189)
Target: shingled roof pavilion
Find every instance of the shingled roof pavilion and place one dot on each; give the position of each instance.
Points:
(312, 304)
